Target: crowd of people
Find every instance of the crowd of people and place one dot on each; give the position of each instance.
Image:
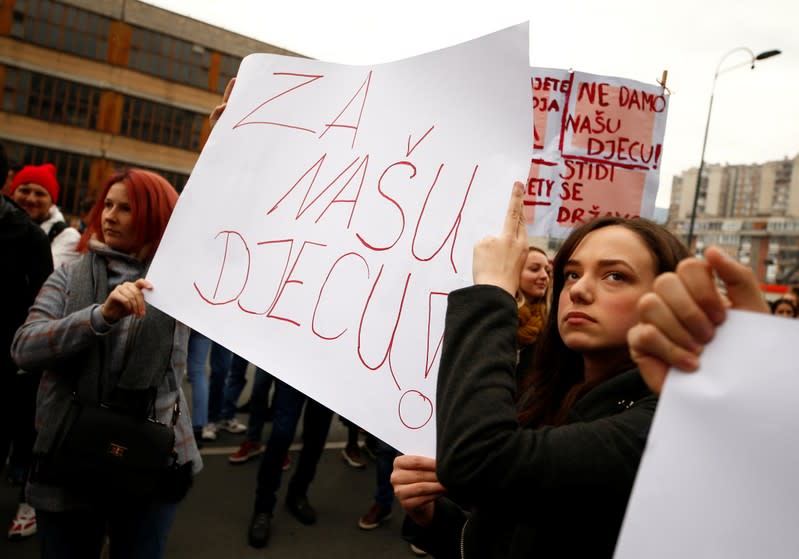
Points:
(548, 383)
(80, 336)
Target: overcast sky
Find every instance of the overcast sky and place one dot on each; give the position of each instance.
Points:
(755, 112)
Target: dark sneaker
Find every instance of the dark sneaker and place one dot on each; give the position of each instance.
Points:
(301, 509)
(351, 454)
(260, 529)
(419, 552)
(374, 517)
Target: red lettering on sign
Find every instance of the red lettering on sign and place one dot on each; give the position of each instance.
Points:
(393, 331)
(322, 291)
(354, 127)
(393, 202)
(315, 169)
(592, 90)
(290, 243)
(311, 78)
(211, 300)
(287, 280)
(410, 149)
(428, 361)
(453, 232)
(354, 201)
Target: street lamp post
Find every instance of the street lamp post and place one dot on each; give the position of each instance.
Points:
(751, 63)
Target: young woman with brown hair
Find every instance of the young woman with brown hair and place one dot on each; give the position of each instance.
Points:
(552, 476)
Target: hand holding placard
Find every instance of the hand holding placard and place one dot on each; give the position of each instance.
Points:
(681, 315)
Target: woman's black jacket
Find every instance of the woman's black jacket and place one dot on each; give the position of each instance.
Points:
(549, 492)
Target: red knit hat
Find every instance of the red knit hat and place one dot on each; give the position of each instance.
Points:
(43, 175)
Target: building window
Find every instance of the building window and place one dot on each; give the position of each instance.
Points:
(48, 98)
(57, 26)
(228, 68)
(169, 58)
(161, 124)
(73, 171)
(178, 180)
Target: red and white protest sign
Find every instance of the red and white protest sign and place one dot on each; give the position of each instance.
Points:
(598, 142)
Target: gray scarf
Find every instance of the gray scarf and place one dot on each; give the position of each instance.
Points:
(147, 355)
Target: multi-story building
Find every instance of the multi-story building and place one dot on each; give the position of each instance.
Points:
(752, 211)
(91, 86)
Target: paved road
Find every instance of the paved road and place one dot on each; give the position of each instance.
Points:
(212, 521)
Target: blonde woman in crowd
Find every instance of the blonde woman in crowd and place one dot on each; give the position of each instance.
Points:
(532, 299)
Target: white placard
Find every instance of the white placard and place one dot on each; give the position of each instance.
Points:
(332, 210)
(718, 479)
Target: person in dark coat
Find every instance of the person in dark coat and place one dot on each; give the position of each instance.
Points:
(27, 261)
(551, 476)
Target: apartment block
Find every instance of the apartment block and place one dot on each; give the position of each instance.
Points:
(752, 211)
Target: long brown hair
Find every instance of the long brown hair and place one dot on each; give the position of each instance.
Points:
(556, 379)
(152, 200)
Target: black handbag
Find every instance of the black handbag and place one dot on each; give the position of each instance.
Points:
(112, 454)
(108, 445)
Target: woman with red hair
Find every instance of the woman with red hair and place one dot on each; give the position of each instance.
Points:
(150, 200)
(100, 344)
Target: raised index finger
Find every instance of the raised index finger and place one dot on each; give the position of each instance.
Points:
(514, 216)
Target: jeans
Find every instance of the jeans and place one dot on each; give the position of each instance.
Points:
(384, 464)
(221, 361)
(195, 368)
(228, 378)
(235, 382)
(134, 531)
(286, 408)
